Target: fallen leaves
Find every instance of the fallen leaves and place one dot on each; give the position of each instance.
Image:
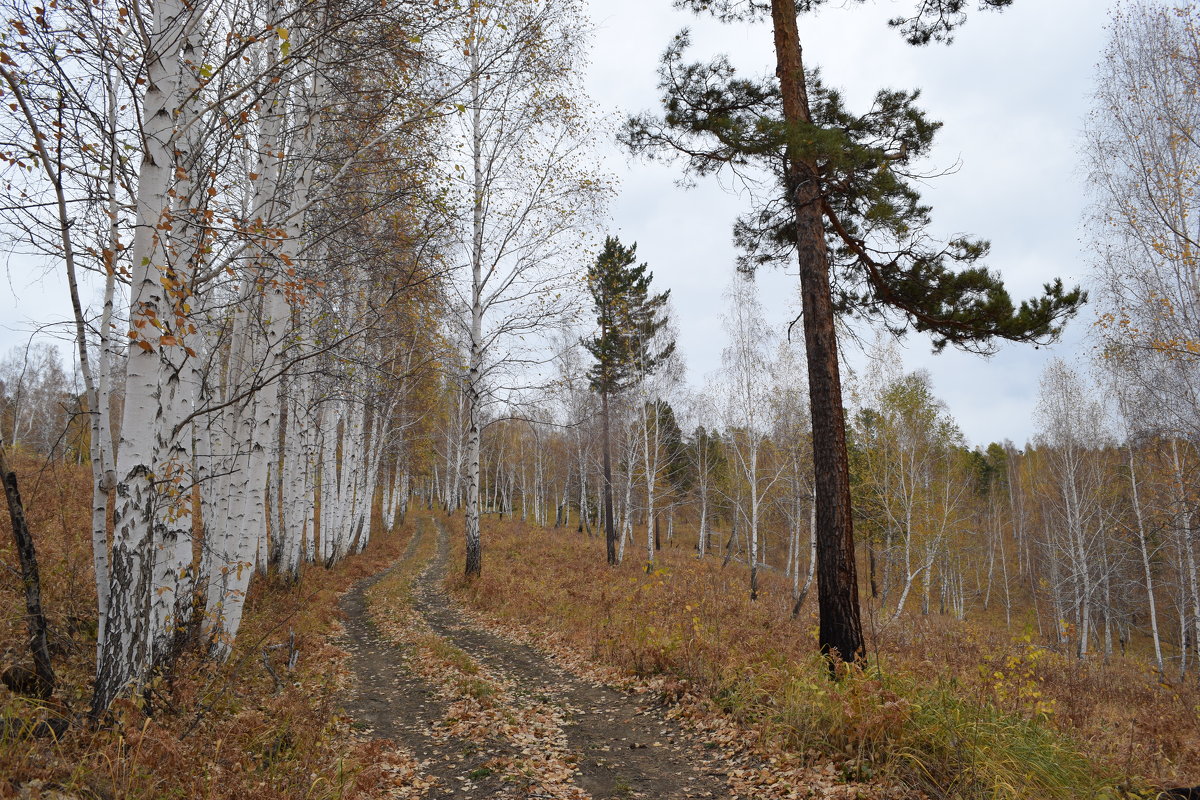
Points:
(482, 705)
(751, 768)
(390, 772)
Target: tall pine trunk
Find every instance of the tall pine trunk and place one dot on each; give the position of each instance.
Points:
(840, 628)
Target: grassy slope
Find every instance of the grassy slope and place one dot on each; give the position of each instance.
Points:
(953, 709)
(209, 731)
(958, 709)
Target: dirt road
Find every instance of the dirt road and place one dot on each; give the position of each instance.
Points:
(613, 746)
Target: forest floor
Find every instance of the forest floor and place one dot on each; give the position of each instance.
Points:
(554, 675)
(584, 739)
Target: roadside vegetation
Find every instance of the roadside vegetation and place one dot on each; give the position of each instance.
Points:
(204, 729)
(954, 709)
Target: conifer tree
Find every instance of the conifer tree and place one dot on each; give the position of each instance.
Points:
(627, 316)
(848, 210)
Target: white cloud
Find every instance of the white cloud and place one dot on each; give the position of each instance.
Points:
(1012, 92)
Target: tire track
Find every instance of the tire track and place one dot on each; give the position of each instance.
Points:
(623, 749)
(390, 702)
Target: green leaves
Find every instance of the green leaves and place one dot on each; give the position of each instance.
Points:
(883, 263)
(628, 317)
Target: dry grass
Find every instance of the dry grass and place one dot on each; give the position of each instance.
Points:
(952, 709)
(1119, 711)
(207, 731)
(56, 498)
(956, 709)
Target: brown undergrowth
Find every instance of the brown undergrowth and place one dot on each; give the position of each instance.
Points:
(207, 730)
(1123, 716)
(945, 708)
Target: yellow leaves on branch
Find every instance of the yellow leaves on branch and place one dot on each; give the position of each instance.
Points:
(1019, 684)
(1176, 347)
(1160, 311)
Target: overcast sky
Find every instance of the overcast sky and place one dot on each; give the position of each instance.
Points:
(1013, 94)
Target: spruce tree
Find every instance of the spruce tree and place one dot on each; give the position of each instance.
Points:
(847, 209)
(627, 318)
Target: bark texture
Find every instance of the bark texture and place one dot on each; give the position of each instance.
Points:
(837, 581)
(610, 531)
(35, 620)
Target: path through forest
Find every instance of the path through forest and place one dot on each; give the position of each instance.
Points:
(619, 747)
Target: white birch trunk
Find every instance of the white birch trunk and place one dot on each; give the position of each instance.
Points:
(650, 464)
(1145, 553)
(123, 653)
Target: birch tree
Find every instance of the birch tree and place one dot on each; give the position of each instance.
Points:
(909, 451)
(791, 432)
(654, 383)
(748, 403)
(707, 462)
(1143, 157)
(35, 399)
(524, 180)
(1070, 421)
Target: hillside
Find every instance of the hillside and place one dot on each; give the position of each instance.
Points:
(554, 675)
(745, 399)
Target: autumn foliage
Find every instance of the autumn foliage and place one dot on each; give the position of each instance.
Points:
(950, 708)
(204, 729)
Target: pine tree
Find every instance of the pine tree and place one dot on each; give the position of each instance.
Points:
(847, 209)
(627, 316)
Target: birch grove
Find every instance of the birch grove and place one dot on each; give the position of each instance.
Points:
(525, 184)
(189, 190)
